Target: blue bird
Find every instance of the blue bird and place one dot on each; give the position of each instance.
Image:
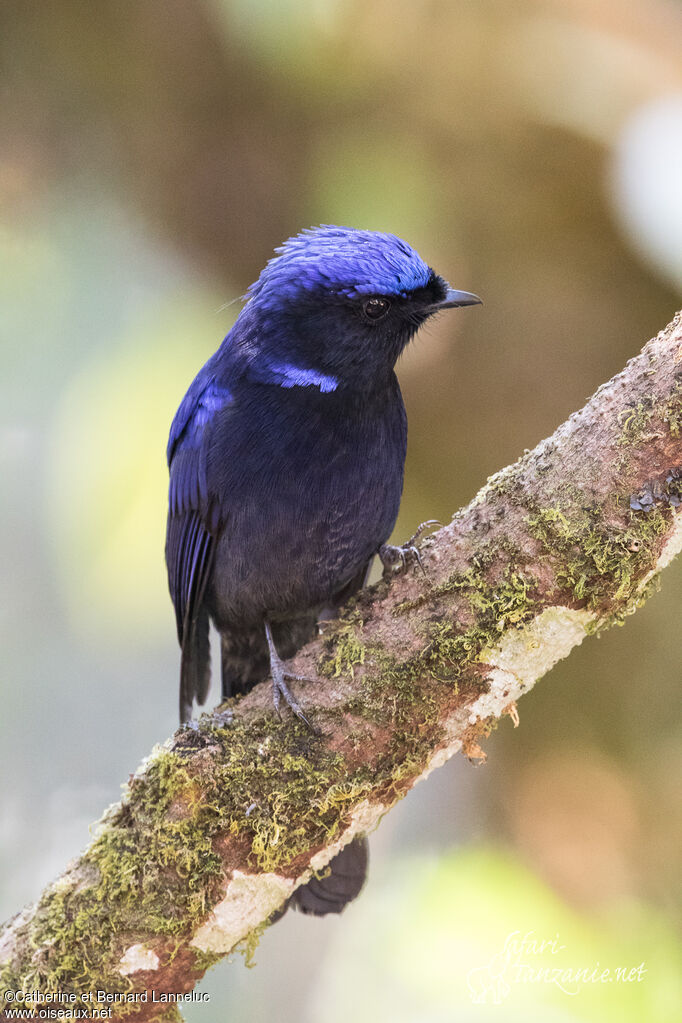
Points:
(286, 461)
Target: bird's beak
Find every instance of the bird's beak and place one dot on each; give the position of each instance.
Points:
(453, 299)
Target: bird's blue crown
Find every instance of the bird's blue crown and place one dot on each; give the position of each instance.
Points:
(343, 261)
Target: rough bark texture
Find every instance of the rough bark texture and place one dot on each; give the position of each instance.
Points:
(222, 822)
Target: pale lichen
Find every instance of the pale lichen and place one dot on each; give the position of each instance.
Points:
(527, 654)
(249, 899)
(136, 959)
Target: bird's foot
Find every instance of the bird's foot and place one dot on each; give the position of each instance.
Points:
(396, 559)
(280, 690)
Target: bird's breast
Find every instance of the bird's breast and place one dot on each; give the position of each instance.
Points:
(308, 492)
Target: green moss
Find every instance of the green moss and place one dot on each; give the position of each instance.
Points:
(203, 961)
(343, 645)
(635, 420)
(508, 601)
(153, 868)
(598, 563)
(672, 411)
(505, 481)
(249, 946)
(149, 867)
(398, 691)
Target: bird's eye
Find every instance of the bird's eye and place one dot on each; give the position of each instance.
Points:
(376, 308)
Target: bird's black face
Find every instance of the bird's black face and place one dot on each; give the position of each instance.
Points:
(388, 322)
(360, 338)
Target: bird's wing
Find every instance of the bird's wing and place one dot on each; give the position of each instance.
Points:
(193, 525)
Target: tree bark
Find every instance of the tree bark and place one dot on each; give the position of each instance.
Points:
(220, 824)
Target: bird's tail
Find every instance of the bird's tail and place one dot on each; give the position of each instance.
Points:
(195, 665)
(333, 891)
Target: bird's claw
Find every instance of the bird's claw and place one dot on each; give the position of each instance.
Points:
(280, 690)
(421, 528)
(395, 559)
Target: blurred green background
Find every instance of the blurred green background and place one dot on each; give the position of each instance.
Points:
(153, 154)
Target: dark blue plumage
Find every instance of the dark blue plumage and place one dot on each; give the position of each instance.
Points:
(286, 454)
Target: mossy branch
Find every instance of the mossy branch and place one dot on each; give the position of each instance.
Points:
(219, 825)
